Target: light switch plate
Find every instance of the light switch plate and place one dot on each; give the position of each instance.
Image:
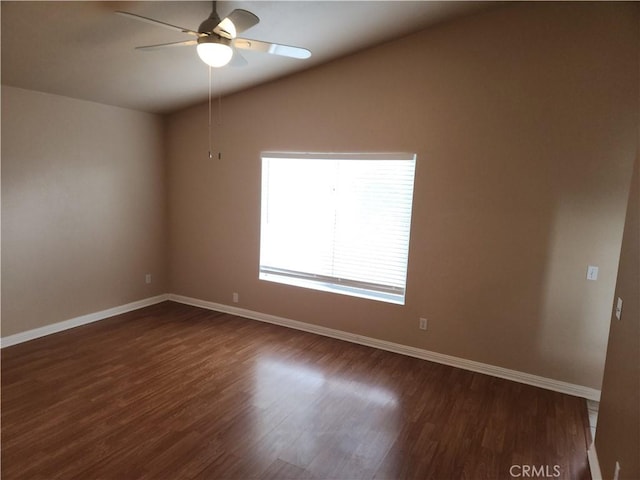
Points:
(592, 272)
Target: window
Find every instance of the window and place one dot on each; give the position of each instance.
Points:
(337, 222)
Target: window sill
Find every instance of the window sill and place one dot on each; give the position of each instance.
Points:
(334, 288)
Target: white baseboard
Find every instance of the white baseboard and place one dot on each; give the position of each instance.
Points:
(513, 375)
(77, 321)
(594, 464)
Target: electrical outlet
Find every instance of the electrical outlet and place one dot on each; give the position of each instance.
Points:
(616, 472)
(236, 297)
(147, 278)
(423, 324)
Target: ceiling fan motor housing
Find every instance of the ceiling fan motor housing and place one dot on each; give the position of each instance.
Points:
(209, 24)
(214, 38)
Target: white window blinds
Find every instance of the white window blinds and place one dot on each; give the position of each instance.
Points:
(337, 222)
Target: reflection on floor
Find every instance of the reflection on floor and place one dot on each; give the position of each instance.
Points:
(173, 391)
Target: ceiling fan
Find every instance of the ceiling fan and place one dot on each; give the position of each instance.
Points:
(217, 39)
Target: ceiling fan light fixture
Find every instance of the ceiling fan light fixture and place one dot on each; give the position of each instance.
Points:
(214, 51)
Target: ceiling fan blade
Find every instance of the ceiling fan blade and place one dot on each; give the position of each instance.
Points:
(159, 46)
(158, 23)
(236, 22)
(273, 48)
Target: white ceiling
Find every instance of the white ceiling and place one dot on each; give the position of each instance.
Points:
(83, 50)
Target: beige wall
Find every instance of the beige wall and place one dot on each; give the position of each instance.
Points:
(83, 208)
(523, 119)
(618, 434)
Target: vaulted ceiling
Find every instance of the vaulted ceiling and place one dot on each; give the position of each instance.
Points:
(83, 50)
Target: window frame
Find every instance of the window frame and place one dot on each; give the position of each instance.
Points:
(355, 288)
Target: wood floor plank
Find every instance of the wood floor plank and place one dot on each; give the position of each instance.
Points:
(173, 391)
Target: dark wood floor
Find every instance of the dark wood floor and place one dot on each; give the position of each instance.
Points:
(177, 392)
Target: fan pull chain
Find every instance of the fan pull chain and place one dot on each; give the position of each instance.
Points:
(219, 122)
(219, 118)
(210, 133)
(220, 109)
